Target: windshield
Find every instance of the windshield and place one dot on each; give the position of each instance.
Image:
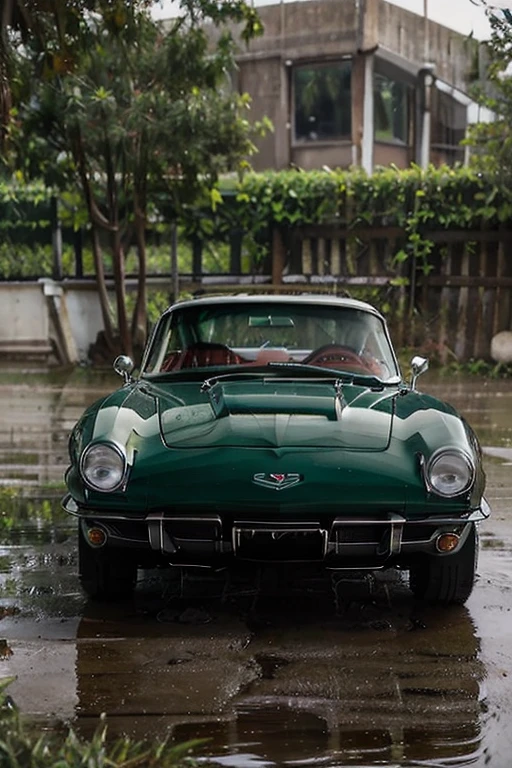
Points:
(250, 335)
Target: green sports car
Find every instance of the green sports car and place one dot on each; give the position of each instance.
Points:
(275, 429)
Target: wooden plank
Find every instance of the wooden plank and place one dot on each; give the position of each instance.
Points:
(337, 231)
(321, 256)
(465, 281)
(335, 256)
(437, 236)
(502, 316)
(278, 256)
(461, 331)
(249, 288)
(489, 263)
(375, 264)
(307, 258)
(468, 235)
(341, 279)
(401, 309)
(295, 260)
(446, 327)
(474, 301)
(327, 256)
(362, 258)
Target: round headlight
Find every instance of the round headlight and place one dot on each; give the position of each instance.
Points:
(103, 467)
(450, 473)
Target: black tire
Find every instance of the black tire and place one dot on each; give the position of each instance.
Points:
(105, 574)
(446, 579)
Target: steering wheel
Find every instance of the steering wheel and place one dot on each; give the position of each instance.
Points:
(332, 355)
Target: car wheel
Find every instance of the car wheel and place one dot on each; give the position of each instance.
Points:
(446, 580)
(105, 574)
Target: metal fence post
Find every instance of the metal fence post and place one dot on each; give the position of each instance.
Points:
(56, 239)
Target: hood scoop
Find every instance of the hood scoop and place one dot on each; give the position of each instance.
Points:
(265, 398)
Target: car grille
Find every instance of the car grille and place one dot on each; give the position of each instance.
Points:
(365, 534)
(265, 542)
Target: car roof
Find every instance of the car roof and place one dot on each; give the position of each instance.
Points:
(245, 298)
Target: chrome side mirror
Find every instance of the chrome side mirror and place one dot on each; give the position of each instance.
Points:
(123, 365)
(418, 366)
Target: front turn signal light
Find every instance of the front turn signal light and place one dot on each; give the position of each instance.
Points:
(96, 537)
(447, 542)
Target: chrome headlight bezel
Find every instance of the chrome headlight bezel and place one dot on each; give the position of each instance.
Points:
(446, 453)
(117, 454)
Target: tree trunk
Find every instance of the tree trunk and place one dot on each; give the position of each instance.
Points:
(92, 209)
(5, 91)
(125, 336)
(139, 320)
(116, 242)
(102, 290)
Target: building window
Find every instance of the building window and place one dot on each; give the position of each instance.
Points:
(391, 110)
(449, 119)
(322, 101)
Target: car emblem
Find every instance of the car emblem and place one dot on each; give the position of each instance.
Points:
(276, 480)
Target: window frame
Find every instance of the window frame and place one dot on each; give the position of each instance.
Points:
(437, 140)
(394, 73)
(343, 138)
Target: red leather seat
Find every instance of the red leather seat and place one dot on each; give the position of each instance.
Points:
(200, 355)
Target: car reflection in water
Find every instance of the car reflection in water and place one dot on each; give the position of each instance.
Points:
(372, 677)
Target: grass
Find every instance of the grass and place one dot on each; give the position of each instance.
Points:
(21, 746)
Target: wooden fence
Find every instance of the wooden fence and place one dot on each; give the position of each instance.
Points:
(452, 308)
(451, 311)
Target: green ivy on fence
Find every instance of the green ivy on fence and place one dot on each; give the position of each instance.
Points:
(415, 200)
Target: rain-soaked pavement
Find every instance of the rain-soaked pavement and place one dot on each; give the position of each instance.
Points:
(316, 672)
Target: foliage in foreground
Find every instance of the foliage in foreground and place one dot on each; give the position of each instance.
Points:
(21, 747)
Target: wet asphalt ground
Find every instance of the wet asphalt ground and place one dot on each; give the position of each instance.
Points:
(272, 668)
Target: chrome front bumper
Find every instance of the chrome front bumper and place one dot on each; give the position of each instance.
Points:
(183, 538)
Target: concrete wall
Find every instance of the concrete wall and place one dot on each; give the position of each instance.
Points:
(319, 30)
(335, 155)
(294, 33)
(333, 28)
(403, 33)
(23, 313)
(47, 320)
(300, 30)
(84, 312)
(266, 81)
(385, 154)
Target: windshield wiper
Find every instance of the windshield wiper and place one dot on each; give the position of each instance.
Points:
(248, 375)
(367, 380)
(306, 371)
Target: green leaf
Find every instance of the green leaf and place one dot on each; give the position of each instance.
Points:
(215, 198)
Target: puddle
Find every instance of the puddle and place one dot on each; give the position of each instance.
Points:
(486, 404)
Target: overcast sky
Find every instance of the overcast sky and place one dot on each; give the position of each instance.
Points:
(461, 15)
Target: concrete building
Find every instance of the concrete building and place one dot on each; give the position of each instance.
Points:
(358, 82)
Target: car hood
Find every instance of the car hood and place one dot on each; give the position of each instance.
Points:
(276, 414)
